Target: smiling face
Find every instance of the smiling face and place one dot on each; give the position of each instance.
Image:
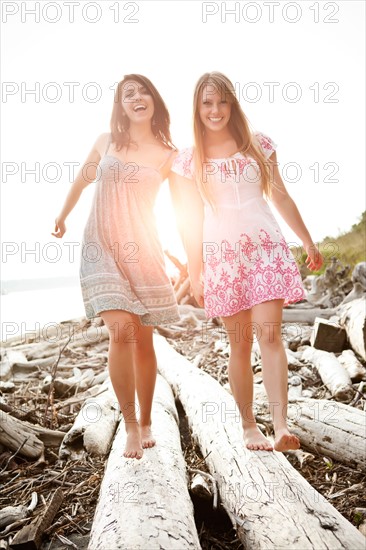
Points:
(214, 109)
(137, 102)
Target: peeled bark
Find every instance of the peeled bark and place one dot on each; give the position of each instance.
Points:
(269, 502)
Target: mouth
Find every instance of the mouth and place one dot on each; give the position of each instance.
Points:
(215, 119)
(139, 107)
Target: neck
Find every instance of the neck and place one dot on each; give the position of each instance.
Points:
(141, 133)
(214, 139)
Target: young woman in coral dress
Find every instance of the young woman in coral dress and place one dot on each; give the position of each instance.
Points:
(122, 269)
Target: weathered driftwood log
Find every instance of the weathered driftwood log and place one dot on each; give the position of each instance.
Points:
(11, 358)
(14, 433)
(330, 288)
(334, 429)
(145, 503)
(290, 315)
(349, 361)
(10, 514)
(270, 503)
(357, 292)
(334, 376)
(353, 319)
(94, 427)
(359, 274)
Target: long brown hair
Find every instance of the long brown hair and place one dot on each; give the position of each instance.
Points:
(120, 124)
(239, 129)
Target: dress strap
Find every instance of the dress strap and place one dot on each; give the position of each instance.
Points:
(108, 144)
(166, 160)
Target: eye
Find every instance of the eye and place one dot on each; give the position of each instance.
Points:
(145, 91)
(206, 102)
(223, 101)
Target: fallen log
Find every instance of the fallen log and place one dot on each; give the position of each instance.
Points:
(268, 501)
(327, 427)
(145, 503)
(94, 427)
(11, 358)
(15, 434)
(352, 317)
(289, 315)
(334, 376)
(349, 361)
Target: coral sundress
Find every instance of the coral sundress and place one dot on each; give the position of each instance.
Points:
(246, 260)
(122, 262)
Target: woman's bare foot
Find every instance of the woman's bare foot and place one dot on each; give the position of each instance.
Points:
(133, 447)
(285, 441)
(255, 440)
(147, 437)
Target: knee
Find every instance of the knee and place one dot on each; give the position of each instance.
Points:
(270, 341)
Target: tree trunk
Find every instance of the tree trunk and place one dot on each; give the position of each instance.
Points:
(270, 503)
(145, 504)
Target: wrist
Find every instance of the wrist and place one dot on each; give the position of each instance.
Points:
(308, 243)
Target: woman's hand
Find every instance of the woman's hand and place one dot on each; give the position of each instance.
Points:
(60, 228)
(314, 259)
(197, 289)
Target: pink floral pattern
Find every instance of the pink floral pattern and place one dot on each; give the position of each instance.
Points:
(250, 262)
(253, 273)
(183, 164)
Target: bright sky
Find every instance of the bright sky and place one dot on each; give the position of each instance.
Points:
(298, 68)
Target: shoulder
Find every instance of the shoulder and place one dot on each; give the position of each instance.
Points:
(183, 163)
(267, 145)
(101, 142)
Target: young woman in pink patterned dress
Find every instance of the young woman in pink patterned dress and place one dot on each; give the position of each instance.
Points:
(240, 266)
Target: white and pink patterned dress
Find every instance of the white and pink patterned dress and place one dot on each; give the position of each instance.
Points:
(245, 256)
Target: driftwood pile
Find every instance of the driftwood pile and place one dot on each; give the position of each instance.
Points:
(59, 420)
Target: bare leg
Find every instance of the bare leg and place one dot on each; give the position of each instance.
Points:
(268, 317)
(241, 377)
(145, 376)
(121, 326)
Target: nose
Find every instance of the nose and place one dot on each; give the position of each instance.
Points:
(214, 108)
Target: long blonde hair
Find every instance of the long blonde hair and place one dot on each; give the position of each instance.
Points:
(239, 129)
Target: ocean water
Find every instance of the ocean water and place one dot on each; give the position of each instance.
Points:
(22, 312)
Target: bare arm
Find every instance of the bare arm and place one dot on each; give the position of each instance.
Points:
(189, 209)
(288, 210)
(85, 176)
